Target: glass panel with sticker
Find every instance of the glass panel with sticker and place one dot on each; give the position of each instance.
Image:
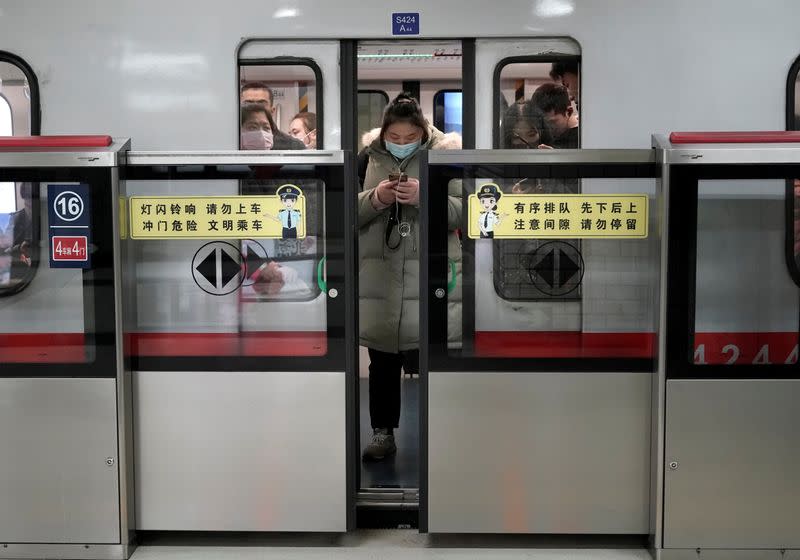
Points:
(600, 243)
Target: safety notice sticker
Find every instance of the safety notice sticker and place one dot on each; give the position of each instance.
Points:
(278, 216)
(497, 215)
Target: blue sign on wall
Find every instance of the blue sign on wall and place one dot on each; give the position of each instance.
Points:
(405, 24)
(69, 226)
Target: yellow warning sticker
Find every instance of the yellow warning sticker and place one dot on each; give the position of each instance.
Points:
(278, 216)
(494, 214)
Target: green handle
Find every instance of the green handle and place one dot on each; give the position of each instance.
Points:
(451, 285)
(323, 285)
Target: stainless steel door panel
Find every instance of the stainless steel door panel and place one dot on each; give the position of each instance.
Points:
(56, 436)
(539, 452)
(240, 451)
(736, 483)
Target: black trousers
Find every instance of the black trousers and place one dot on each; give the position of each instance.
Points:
(385, 371)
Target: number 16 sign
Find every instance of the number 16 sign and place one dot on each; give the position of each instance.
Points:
(69, 226)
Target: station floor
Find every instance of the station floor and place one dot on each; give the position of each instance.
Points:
(377, 545)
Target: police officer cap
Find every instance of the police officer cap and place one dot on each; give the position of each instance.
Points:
(489, 190)
(288, 191)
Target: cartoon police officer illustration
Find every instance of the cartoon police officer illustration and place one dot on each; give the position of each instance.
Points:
(288, 216)
(488, 195)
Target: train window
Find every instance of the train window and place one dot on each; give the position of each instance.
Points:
(745, 304)
(19, 201)
(371, 103)
(6, 127)
(447, 110)
(290, 91)
(536, 108)
(527, 119)
(8, 198)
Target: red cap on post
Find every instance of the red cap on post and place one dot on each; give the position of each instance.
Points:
(82, 141)
(754, 137)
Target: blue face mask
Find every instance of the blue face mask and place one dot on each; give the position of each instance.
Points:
(402, 151)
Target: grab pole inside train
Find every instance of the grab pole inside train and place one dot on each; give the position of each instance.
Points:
(66, 473)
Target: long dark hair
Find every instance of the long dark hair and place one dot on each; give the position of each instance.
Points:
(404, 108)
(528, 113)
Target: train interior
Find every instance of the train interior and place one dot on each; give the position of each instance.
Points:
(431, 72)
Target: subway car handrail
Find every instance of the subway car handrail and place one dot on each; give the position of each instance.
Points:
(541, 157)
(235, 157)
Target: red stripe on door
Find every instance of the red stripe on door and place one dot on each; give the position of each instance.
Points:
(710, 348)
(563, 344)
(251, 344)
(43, 348)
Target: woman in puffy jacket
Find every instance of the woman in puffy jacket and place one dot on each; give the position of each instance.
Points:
(388, 219)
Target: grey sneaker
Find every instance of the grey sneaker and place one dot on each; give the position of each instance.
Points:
(381, 446)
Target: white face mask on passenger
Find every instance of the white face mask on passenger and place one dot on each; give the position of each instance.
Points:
(256, 140)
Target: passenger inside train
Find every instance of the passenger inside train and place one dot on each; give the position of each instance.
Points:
(259, 131)
(16, 240)
(388, 220)
(566, 73)
(524, 127)
(304, 128)
(554, 102)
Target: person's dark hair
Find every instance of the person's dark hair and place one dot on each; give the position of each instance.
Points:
(551, 97)
(259, 85)
(523, 112)
(249, 109)
(309, 120)
(561, 67)
(404, 108)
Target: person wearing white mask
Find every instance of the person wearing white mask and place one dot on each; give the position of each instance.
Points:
(258, 131)
(389, 244)
(304, 128)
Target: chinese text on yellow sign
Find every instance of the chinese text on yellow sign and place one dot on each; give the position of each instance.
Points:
(278, 216)
(527, 216)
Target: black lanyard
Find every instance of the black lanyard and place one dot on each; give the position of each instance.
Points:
(392, 223)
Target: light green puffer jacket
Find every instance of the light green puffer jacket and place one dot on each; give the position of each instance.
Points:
(389, 279)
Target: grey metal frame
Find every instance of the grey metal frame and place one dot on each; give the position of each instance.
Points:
(235, 157)
(658, 389)
(541, 157)
(111, 157)
(714, 394)
(737, 154)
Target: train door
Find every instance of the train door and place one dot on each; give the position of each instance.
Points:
(431, 71)
(541, 337)
(240, 326)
